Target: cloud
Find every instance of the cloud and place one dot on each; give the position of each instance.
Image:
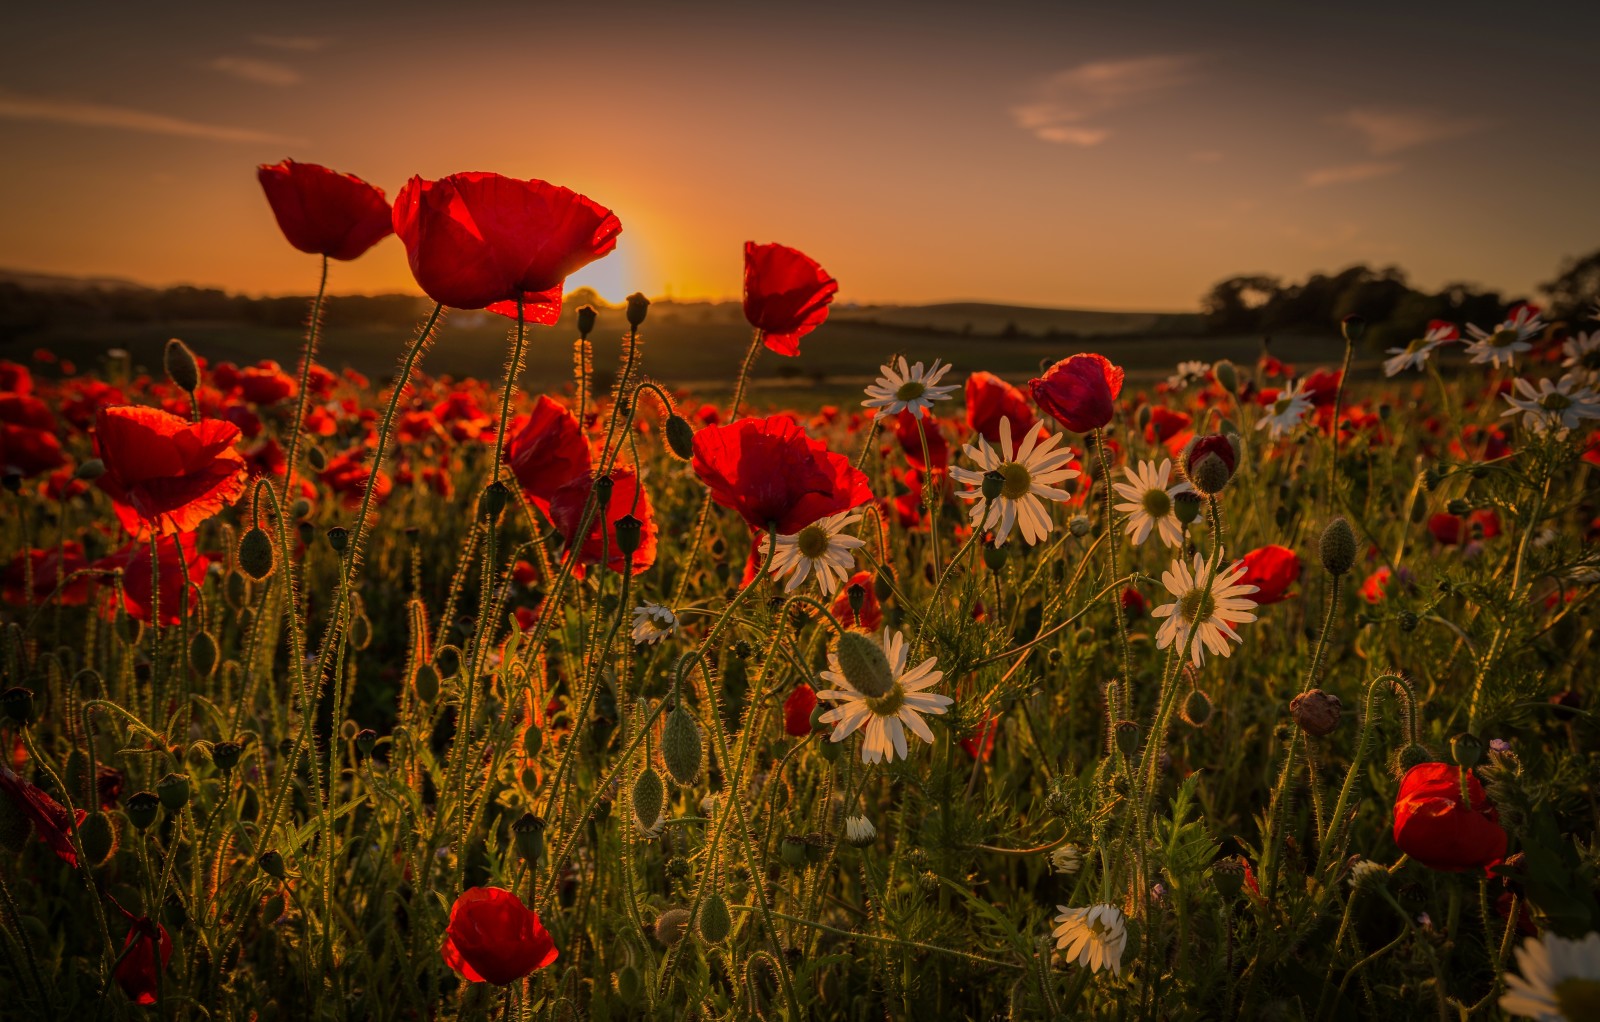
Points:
(1065, 101)
(96, 115)
(294, 43)
(261, 72)
(1386, 131)
(1350, 173)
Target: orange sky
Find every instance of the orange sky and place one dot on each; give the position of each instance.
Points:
(1085, 157)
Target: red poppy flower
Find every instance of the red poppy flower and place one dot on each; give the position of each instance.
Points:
(50, 567)
(494, 938)
(324, 212)
(1434, 826)
(797, 710)
(905, 431)
(547, 450)
(481, 240)
(1079, 392)
(28, 451)
(871, 617)
(1133, 602)
(628, 497)
(1322, 386)
(463, 415)
(774, 475)
(1272, 570)
(980, 744)
(786, 295)
(265, 383)
(990, 399)
(347, 475)
(137, 972)
(49, 817)
(1375, 586)
(15, 378)
(137, 589)
(26, 410)
(164, 473)
(1165, 424)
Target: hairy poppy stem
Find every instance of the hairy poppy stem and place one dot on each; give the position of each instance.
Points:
(744, 374)
(296, 427)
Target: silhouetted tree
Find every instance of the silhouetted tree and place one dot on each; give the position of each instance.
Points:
(1574, 292)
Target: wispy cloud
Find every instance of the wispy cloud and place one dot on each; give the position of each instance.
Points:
(1350, 173)
(1386, 131)
(97, 115)
(1068, 104)
(294, 43)
(261, 72)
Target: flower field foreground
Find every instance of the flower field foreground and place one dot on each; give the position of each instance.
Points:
(1258, 693)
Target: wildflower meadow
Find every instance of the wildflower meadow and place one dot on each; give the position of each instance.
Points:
(1261, 691)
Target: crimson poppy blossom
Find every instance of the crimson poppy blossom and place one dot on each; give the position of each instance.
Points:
(49, 817)
(494, 938)
(628, 497)
(990, 399)
(1165, 424)
(980, 743)
(28, 451)
(797, 709)
(1079, 392)
(911, 440)
(1272, 570)
(547, 450)
(164, 473)
(774, 475)
(1434, 826)
(479, 240)
(870, 617)
(265, 383)
(324, 212)
(173, 553)
(347, 475)
(786, 295)
(50, 567)
(137, 973)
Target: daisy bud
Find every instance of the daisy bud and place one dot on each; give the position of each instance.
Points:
(90, 470)
(173, 791)
(1353, 327)
(859, 831)
(1338, 547)
(182, 369)
(99, 837)
(1209, 461)
(1431, 478)
(338, 536)
(18, 703)
(1317, 712)
(671, 925)
(715, 921)
(528, 832)
(1228, 877)
(630, 531)
(1068, 859)
(638, 308)
(1227, 376)
(680, 746)
(864, 664)
(680, 436)
(1186, 506)
(585, 320)
(649, 795)
(256, 555)
(1366, 875)
(142, 807)
(271, 864)
(1466, 749)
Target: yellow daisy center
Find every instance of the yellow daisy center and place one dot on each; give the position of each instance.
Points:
(1197, 605)
(812, 541)
(1503, 338)
(1156, 503)
(911, 390)
(1578, 998)
(1018, 480)
(888, 705)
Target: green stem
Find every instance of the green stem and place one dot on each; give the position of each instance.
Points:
(313, 329)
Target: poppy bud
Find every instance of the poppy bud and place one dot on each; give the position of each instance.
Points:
(1353, 327)
(98, 836)
(1210, 461)
(142, 807)
(680, 746)
(1317, 712)
(203, 654)
(638, 308)
(994, 557)
(1079, 525)
(90, 470)
(1466, 749)
(864, 664)
(528, 832)
(1410, 756)
(649, 795)
(630, 531)
(338, 536)
(182, 369)
(493, 500)
(1196, 710)
(173, 790)
(715, 922)
(1338, 547)
(1186, 506)
(532, 741)
(317, 458)
(256, 556)
(426, 683)
(671, 925)
(226, 755)
(993, 483)
(630, 987)
(586, 316)
(306, 532)
(1141, 418)
(680, 436)
(271, 863)
(1228, 877)
(883, 582)
(1227, 376)
(366, 741)
(18, 703)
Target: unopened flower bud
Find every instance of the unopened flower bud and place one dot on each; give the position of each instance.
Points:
(99, 837)
(1466, 749)
(1227, 376)
(649, 795)
(426, 683)
(671, 925)
(1338, 547)
(630, 533)
(1366, 875)
(864, 664)
(182, 369)
(256, 555)
(1196, 710)
(1353, 327)
(883, 582)
(18, 703)
(715, 920)
(680, 436)
(1186, 506)
(1317, 712)
(271, 863)
(681, 747)
(1079, 525)
(528, 833)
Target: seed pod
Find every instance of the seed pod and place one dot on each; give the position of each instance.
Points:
(226, 755)
(90, 470)
(142, 807)
(99, 837)
(1466, 749)
(649, 795)
(1228, 876)
(638, 308)
(630, 532)
(173, 790)
(1128, 737)
(1186, 506)
(681, 746)
(256, 556)
(1353, 327)
(680, 436)
(715, 922)
(586, 317)
(528, 832)
(1338, 547)
(338, 536)
(18, 703)
(182, 369)
(203, 654)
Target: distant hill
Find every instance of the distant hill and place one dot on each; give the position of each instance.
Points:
(57, 282)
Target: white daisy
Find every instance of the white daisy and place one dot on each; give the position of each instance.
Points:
(1214, 613)
(1094, 937)
(818, 547)
(1067, 859)
(1553, 407)
(1560, 979)
(1582, 353)
(651, 623)
(1031, 472)
(1188, 372)
(1149, 502)
(1286, 411)
(859, 831)
(1508, 339)
(902, 388)
(877, 695)
(1416, 354)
